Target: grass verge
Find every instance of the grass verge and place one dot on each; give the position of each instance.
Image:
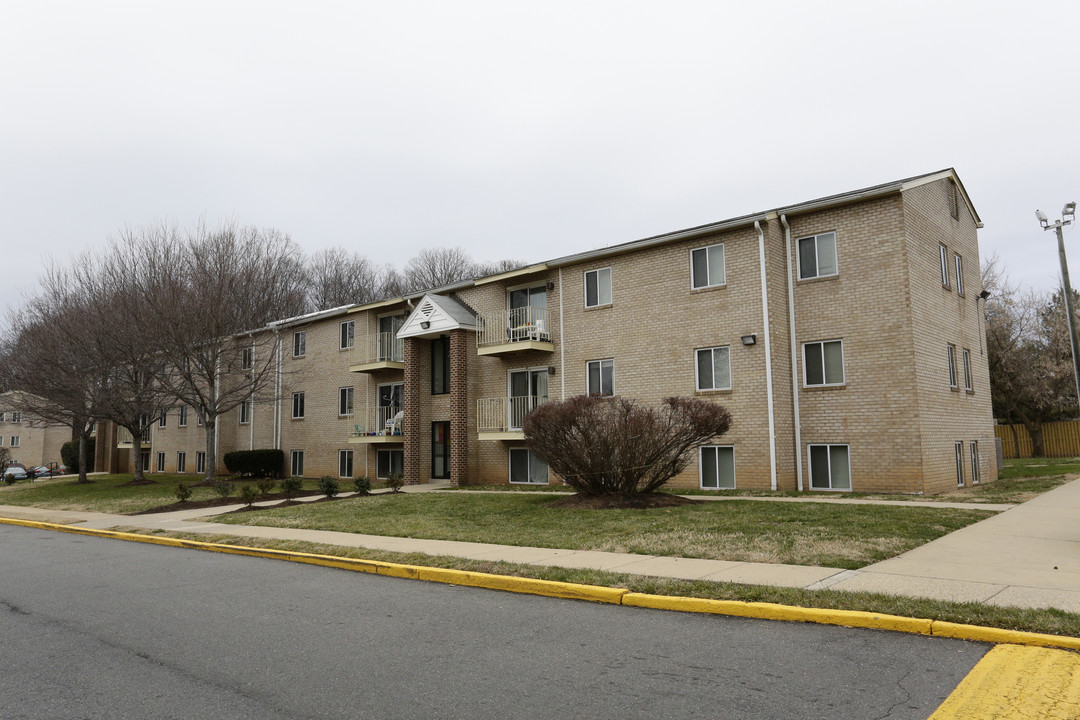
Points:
(1050, 621)
(828, 535)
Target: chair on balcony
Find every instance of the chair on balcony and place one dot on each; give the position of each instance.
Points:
(393, 425)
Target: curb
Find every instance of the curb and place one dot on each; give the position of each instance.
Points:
(594, 593)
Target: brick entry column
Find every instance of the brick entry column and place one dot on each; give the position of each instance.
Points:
(411, 420)
(459, 407)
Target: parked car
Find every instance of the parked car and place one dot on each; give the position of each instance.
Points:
(38, 472)
(15, 471)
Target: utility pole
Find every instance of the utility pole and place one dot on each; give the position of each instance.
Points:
(1068, 214)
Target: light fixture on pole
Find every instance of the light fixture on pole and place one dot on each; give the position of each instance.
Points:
(1068, 215)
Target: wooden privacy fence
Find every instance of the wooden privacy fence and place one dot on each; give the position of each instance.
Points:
(1060, 439)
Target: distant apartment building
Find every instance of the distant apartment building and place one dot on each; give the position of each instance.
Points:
(28, 439)
(844, 334)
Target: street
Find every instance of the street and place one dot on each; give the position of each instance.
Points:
(99, 628)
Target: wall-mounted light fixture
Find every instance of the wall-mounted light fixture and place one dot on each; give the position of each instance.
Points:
(984, 294)
(425, 325)
(551, 369)
(551, 285)
(749, 339)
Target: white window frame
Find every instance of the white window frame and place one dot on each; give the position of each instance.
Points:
(599, 273)
(954, 379)
(697, 367)
(245, 412)
(16, 416)
(958, 264)
(958, 450)
(181, 462)
(389, 463)
(967, 371)
(299, 343)
(163, 420)
(588, 376)
(810, 466)
(347, 335)
(247, 358)
(16, 441)
(200, 461)
(531, 458)
(298, 405)
(345, 463)
(943, 255)
(817, 256)
(296, 463)
(345, 401)
(824, 371)
(160, 463)
(701, 467)
(181, 420)
(973, 447)
(710, 282)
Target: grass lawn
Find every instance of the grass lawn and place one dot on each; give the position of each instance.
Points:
(1053, 622)
(106, 493)
(830, 535)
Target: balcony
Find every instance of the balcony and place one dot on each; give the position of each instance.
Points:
(379, 426)
(379, 351)
(514, 330)
(500, 418)
(123, 438)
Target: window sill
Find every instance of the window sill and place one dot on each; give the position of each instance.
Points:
(590, 308)
(707, 288)
(718, 391)
(954, 388)
(820, 278)
(823, 388)
(969, 392)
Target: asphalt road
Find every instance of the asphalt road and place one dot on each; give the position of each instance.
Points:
(95, 628)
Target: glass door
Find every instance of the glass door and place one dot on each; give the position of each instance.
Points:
(391, 402)
(389, 347)
(440, 449)
(528, 388)
(528, 313)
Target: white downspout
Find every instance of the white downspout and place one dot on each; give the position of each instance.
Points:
(562, 344)
(794, 353)
(768, 356)
(277, 397)
(251, 417)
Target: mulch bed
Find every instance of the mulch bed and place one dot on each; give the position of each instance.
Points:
(622, 502)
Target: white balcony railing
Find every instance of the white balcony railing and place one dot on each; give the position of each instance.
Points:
(504, 414)
(376, 348)
(379, 421)
(514, 325)
(123, 436)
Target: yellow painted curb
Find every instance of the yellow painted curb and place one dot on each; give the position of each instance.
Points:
(1017, 682)
(551, 588)
(772, 611)
(997, 635)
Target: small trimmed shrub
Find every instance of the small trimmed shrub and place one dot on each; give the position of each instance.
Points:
(329, 486)
(265, 485)
(248, 495)
(362, 485)
(252, 463)
(395, 482)
(183, 492)
(69, 453)
(291, 487)
(224, 488)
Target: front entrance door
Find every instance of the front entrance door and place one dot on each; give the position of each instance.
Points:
(440, 450)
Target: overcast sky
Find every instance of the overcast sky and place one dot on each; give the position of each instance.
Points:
(521, 130)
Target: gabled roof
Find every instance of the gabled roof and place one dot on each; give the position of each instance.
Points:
(441, 314)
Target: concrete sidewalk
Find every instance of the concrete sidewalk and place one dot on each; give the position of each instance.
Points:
(1026, 556)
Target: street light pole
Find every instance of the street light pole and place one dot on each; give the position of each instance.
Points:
(1068, 214)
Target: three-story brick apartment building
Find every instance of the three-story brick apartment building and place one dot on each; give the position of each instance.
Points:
(844, 334)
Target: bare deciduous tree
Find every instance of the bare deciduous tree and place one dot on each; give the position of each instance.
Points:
(337, 277)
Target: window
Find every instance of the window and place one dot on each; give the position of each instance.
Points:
(601, 377)
(951, 352)
(707, 267)
(958, 449)
(344, 463)
(440, 449)
(967, 370)
(830, 468)
(3, 416)
(1, 441)
(598, 288)
(823, 363)
(299, 343)
(954, 200)
(247, 358)
(958, 263)
(160, 462)
(345, 401)
(16, 441)
(144, 460)
(389, 462)
(527, 468)
(714, 368)
(200, 461)
(717, 467)
(16, 417)
(440, 365)
(182, 419)
(245, 412)
(943, 254)
(200, 416)
(181, 462)
(817, 256)
(297, 405)
(163, 420)
(296, 468)
(348, 330)
(974, 447)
